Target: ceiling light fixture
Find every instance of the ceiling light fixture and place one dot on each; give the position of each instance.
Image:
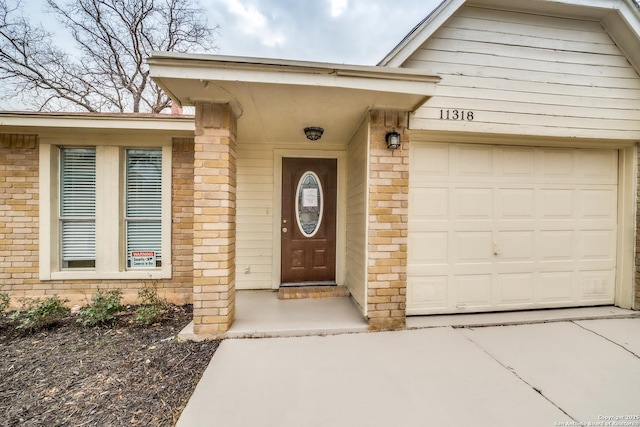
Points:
(313, 133)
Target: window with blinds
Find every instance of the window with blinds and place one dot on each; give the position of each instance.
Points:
(78, 207)
(143, 208)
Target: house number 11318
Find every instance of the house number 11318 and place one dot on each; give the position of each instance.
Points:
(456, 115)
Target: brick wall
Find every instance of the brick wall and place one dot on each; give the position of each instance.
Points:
(19, 228)
(19, 214)
(214, 226)
(388, 217)
(182, 220)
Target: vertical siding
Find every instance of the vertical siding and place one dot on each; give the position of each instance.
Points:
(254, 217)
(528, 74)
(355, 277)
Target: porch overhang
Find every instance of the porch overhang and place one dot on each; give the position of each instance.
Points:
(275, 100)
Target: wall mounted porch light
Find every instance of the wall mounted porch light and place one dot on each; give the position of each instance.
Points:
(393, 140)
(313, 133)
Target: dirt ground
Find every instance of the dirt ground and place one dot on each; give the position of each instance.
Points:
(122, 375)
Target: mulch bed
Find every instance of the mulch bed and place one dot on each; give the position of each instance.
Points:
(121, 375)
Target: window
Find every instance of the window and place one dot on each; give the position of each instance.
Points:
(78, 207)
(144, 207)
(102, 204)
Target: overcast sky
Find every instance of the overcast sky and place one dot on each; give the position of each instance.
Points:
(357, 32)
(339, 31)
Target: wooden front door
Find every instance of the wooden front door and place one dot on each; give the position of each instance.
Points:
(308, 224)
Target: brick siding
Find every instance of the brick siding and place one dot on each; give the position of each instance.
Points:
(19, 213)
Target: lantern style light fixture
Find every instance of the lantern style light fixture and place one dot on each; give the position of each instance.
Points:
(313, 133)
(393, 140)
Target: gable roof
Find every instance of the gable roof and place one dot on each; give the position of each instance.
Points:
(620, 18)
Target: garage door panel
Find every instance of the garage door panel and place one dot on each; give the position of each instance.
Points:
(473, 247)
(555, 287)
(557, 164)
(474, 290)
(599, 166)
(516, 162)
(598, 203)
(516, 245)
(429, 248)
(431, 292)
(511, 228)
(597, 245)
(474, 161)
(429, 204)
(516, 203)
(556, 245)
(596, 285)
(432, 160)
(473, 203)
(515, 289)
(556, 203)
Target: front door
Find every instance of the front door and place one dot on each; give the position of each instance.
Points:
(308, 224)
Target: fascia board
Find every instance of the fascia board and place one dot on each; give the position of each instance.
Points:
(17, 120)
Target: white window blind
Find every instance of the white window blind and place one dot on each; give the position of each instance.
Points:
(78, 207)
(144, 202)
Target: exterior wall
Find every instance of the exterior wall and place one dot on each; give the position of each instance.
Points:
(19, 229)
(356, 262)
(388, 221)
(527, 74)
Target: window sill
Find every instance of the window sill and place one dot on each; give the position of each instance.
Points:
(152, 274)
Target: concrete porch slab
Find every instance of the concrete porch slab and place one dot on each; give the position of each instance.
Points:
(519, 317)
(260, 314)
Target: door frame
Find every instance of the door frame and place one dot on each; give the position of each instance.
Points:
(341, 210)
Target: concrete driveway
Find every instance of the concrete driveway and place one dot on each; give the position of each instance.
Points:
(550, 374)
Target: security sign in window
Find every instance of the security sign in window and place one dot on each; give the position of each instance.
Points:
(143, 259)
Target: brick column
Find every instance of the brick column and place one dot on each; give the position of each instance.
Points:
(214, 219)
(388, 217)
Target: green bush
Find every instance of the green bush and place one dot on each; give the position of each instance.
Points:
(104, 305)
(153, 306)
(4, 302)
(36, 313)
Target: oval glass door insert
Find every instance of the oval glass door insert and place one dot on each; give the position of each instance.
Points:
(309, 204)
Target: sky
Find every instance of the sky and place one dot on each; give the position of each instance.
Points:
(359, 32)
(338, 31)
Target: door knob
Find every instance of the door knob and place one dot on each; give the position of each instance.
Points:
(284, 229)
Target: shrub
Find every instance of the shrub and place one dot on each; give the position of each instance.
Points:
(104, 305)
(153, 306)
(35, 313)
(4, 302)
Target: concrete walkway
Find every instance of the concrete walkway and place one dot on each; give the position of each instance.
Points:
(546, 374)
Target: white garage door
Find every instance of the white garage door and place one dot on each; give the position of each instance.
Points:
(509, 228)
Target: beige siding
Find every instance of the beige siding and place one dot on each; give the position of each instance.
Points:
(355, 277)
(254, 238)
(528, 74)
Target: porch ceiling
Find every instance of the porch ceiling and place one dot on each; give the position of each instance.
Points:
(275, 100)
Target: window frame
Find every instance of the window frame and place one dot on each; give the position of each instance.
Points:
(111, 254)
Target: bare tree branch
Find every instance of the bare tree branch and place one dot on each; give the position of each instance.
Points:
(107, 70)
